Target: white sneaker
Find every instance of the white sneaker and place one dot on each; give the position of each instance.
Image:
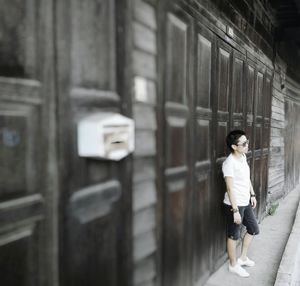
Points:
(247, 262)
(239, 270)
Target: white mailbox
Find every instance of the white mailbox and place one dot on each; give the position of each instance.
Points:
(105, 135)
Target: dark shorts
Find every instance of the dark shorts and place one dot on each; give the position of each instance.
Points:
(248, 220)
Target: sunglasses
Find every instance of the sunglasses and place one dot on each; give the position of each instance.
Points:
(243, 144)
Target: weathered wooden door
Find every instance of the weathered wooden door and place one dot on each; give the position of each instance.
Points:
(196, 107)
(222, 100)
(63, 219)
(202, 235)
(177, 143)
(258, 113)
(261, 135)
(249, 111)
(96, 208)
(28, 174)
(265, 146)
(258, 125)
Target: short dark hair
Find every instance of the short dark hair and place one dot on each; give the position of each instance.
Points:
(233, 138)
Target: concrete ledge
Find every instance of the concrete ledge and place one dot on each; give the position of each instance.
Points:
(289, 270)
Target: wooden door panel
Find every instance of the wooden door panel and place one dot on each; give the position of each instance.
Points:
(202, 233)
(221, 148)
(204, 70)
(250, 89)
(19, 139)
(18, 50)
(266, 117)
(176, 135)
(237, 91)
(26, 210)
(21, 199)
(262, 113)
(97, 240)
(202, 157)
(257, 182)
(222, 109)
(223, 87)
(19, 258)
(93, 239)
(20, 240)
(267, 99)
(249, 110)
(176, 59)
(258, 129)
(93, 47)
(175, 209)
(259, 94)
(264, 185)
(237, 86)
(202, 199)
(224, 58)
(13, 154)
(176, 147)
(259, 110)
(203, 143)
(258, 138)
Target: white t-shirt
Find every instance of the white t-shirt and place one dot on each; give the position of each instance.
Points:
(239, 170)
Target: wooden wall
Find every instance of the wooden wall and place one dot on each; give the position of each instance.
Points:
(292, 134)
(144, 58)
(147, 200)
(276, 164)
(147, 192)
(284, 144)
